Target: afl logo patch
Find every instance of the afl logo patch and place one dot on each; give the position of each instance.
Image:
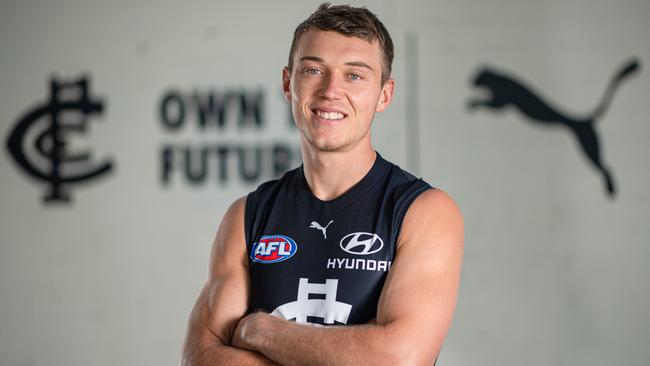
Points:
(273, 249)
(361, 243)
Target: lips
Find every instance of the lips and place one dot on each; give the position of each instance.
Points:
(329, 115)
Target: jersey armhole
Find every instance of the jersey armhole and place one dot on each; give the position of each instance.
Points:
(249, 219)
(405, 201)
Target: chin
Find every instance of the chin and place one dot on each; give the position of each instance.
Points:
(328, 140)
(334, 147)
(328, 145)
(330, 148)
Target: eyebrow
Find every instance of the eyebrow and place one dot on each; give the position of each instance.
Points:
(349, 63)
(359, 64)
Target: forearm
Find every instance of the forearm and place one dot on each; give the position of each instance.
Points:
(288, 343)
(219, 354)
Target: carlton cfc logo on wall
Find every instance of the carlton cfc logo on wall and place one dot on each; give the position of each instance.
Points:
(39, 142)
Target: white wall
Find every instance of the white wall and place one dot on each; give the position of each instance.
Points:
(555, 272)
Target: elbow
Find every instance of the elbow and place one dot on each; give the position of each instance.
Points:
(409, 356)
(195, 357)
(191, 357)
(188, 360)
(195, 353)
(405, 350)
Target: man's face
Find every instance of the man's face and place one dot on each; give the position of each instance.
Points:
(335, 89)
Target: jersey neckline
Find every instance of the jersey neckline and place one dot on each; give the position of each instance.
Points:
(374, 175)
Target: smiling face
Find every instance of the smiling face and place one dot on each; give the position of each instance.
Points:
(335, 89)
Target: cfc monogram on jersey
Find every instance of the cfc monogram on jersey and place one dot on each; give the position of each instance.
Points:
(325, 262)
(326, 308)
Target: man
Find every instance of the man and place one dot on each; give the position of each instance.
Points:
(348, 240)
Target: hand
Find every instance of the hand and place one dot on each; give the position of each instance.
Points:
(247, 330)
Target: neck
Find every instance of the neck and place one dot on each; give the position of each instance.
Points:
(330, 174)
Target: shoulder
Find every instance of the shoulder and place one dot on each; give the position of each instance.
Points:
(402, 190)
(259, 202)
(229, 247)
(436, 203)
(397, 174)
(235, 211)
(271, 187)
(401, 182)
(434, 218)
(233, 220)
(401, 186)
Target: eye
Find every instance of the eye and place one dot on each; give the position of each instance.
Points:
(355, 77)
(312, 71)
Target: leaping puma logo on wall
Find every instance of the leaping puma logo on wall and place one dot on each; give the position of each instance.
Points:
(507, 90)
(315, 225)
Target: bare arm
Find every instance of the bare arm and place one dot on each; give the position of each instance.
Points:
(414, 312)
(223, 300)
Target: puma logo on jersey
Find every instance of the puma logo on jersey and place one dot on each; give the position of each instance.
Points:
(315, 225)
(273, 249)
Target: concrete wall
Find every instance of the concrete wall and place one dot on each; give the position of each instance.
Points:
(555, 269)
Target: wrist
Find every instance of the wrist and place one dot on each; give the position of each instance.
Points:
(254, 330)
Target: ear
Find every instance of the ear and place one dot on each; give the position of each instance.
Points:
(286, 84)
(386, 95)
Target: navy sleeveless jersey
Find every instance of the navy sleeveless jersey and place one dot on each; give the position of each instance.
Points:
(325, 262)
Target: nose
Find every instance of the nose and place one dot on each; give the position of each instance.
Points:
(331, 87)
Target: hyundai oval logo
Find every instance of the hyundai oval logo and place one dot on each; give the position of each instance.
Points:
(361, 243)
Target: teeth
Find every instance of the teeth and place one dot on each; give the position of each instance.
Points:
(329, 115)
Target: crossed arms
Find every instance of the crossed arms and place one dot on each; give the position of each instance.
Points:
(414, 313)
